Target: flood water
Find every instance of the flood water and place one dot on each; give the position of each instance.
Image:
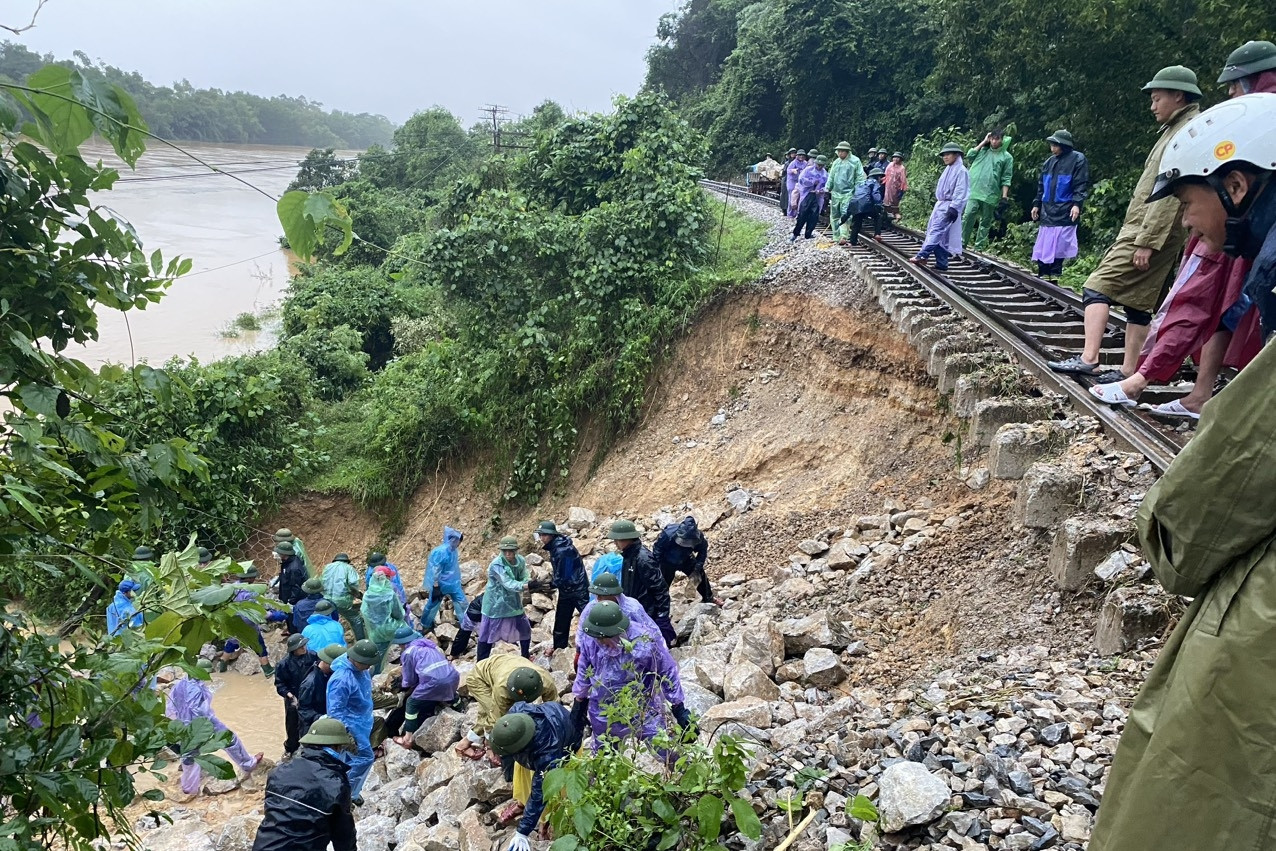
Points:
(228, 230)
(253, 709)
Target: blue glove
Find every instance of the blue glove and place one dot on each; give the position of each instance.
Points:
(680, 714)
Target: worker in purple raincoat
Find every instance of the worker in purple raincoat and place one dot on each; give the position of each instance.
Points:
(792, 173)
(943, 231)
(190, 699)
(607, 588)
(613, 654)
(812, 189)
(431, 681)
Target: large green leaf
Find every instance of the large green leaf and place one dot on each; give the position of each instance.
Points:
(709, 816)
(306, 218)
(746, 820)
(59, 121)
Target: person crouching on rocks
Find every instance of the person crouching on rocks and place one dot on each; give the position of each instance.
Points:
(535, 739)
(496, 684)
(431, 682)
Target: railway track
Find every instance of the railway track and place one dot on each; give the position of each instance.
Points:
(1031, 319)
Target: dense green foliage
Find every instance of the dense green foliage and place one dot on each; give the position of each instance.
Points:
(765, 74)
(541, 294)
(181, 111)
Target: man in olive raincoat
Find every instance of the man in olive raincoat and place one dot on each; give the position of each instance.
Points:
(845, 174)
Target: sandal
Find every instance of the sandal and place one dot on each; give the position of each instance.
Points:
(1112, 394)
(1074, 366)
(1171, 411)
(469, 750)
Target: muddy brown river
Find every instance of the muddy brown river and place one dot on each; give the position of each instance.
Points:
(228, 230)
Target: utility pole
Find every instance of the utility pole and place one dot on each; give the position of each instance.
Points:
(498, 116)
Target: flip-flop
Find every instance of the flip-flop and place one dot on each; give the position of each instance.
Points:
(1112, 394)
(1171, 411)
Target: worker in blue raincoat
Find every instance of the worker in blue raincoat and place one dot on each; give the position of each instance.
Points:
(350, 702)
(322, 627)
(443, 578)
(122, 613)
(305, 607)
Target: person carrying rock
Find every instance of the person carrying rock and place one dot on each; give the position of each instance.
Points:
(292, 573)
(383, 613)
(431, 682)
(307, 802)
(613, 656)
(496, 684)
(350, 702)
(443, 578)
(503, 615)
(122, 614)
(290, 674)
(341, 586)
(286, 536)
(189, 699)
(640, 577)
(312, 695)
(537, 739)
(305, 607)
(322, 627)
(570, 580)
(683, 547)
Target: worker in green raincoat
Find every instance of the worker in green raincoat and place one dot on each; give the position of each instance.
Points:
(383, 614)
(1196, 766)
(845, 174)
(991, 167)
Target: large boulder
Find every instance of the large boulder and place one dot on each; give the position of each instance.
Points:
(707, 673)
(580, 518)
(399, 761)
(750, 711)
(491, 787)
(433, 773)
(471, 834)
(910, 795)
(375, 833)
(822, 668)
(814, 630)
(439, 837)
(239, 833)
(698, 699)
(761, 643)
(440, 732)
(746, 679)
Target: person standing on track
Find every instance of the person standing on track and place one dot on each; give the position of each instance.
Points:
(1135, 270)
(991, 168)
(1065, 184)
(845, 176)
(570, 580)
(812, 187)
(943, 231)
(896, 185)
(792, 174)
(784, 180)
(1202, 729)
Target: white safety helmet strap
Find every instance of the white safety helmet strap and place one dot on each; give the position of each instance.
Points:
(1235, 131)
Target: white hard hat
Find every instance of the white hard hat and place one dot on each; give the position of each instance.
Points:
(1240, 130)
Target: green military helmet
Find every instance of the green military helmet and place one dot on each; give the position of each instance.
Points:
(606, 585)
(285, 548)
(872, 150)
(313, 585)
(876, 172)
(1177, 78)
(328, 731)
(376, 559)
(899, 154)
(790, 152)
(364, 652)
(547, 527)
(405, 635)
(509, 542)
(813, 153)
(332, 653)
(205, 555)
(525, 684)
(204, 664)
(624, 530)
(1061, 137)
(296, 641)
(605, 620)
(822, 160)
(284, 535)
(881, 150)
(250, 573)
(1248, 59)
(512, 733)
(951, 148)
(342, 557)
(324, 607)
(843, 146)
(143, 553)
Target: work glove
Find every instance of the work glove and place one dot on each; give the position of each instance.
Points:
(680, 714)
(436, 593)
(519, 843)
(951, 214)
(536, 586)
(580, 706)
(1002, 206)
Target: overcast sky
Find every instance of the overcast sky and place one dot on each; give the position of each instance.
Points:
(384, 56)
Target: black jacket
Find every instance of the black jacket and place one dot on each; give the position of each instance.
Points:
(1065, 182)
(292, 574)
(554, 741)
(569, 569)
(291, 671)
(669, 554)
(312, 698)
(640, 578)
(307, 805)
